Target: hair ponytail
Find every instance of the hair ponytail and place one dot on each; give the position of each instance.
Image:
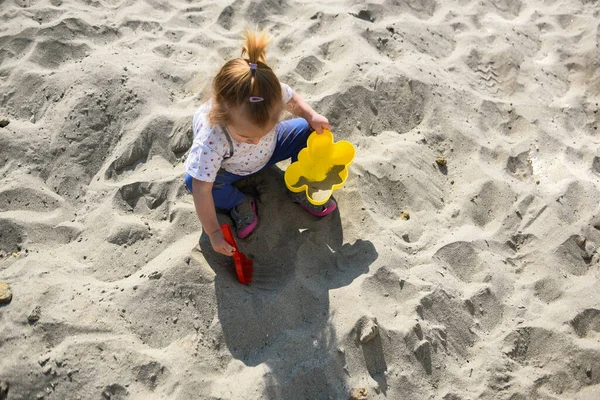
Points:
(242, 81)
(255, 46)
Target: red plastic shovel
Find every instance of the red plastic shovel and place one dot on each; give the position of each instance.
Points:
(243, 265)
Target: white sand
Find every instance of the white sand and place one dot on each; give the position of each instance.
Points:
(489, 291)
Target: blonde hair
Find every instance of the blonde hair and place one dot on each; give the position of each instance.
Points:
(237, 82)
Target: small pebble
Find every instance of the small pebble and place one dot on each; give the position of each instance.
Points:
(5, 293)
(441, 161)
(155, 275)
(44, 359)
(360, 393)
(367, 329)
(35, 315)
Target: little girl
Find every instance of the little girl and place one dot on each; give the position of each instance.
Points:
(237, 133)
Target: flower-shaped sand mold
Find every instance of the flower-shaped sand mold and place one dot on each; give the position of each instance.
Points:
(322, 167)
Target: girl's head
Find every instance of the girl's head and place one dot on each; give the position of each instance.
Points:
(247, 94)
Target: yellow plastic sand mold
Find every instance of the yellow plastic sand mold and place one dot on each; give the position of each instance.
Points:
(322, 167)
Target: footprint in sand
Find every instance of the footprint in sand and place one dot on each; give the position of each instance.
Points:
(180, 54)
(51, 53)
(309, 67)
(586, 322)
(12, 236)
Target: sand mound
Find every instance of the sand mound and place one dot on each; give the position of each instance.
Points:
(474, 279)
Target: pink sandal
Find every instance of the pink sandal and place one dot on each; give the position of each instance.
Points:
(245, 217)
(317, 211)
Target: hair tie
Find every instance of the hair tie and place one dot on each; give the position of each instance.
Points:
(254, 99)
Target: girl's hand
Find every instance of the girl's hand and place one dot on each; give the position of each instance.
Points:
(318, 122)
(220, 245)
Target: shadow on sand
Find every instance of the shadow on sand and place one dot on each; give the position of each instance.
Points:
(282, 319)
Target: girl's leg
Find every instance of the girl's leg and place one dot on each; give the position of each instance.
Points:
(225, 195)
(291, 138)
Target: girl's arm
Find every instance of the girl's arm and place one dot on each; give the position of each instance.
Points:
(205, 208)
(300, 108)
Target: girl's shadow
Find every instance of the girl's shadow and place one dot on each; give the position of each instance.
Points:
(282, 318)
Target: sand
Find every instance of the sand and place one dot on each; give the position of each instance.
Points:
(489, 291)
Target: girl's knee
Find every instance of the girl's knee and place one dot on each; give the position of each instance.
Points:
(304, 126)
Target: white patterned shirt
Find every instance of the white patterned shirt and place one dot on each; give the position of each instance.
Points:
(210, 147)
